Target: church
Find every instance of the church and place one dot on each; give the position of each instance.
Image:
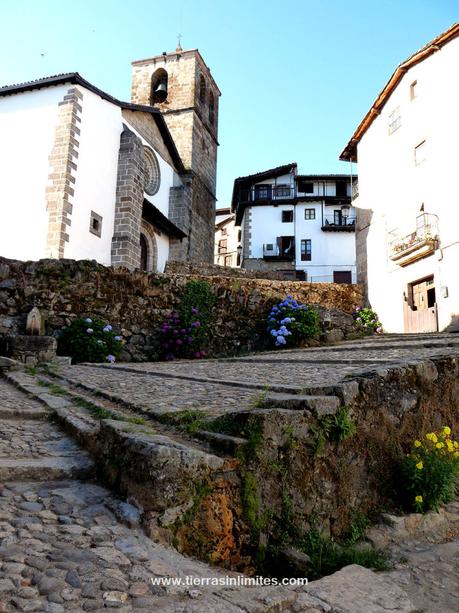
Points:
(87, 176)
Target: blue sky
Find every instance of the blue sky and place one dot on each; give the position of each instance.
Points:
(296, 76)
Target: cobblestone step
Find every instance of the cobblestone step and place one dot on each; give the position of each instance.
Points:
(318, 405)
(46, 469)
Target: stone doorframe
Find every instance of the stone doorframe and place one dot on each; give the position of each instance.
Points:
(148, 233)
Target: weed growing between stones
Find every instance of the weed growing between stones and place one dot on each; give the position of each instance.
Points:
(333, 428)
(327, 555)
(89, 340)
(430, 471)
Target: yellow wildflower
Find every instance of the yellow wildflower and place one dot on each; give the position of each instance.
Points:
(419, 465)
(456, 454)
(440, 445)
(434, 438)
(456, 444)
(450, 445)
(418, 499)
(447, 430)
(417, 444)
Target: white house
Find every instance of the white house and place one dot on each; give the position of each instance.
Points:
(86, 176)
(227, 239)
(302, 225)
(407, 231)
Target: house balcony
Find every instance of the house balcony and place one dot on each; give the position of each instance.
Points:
(404, 250)
(281, 251)
(338, 223)
(270, 194)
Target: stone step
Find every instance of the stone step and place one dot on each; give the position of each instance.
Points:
(222, 442)
(46, 469)
(318, 405)
(18, 413)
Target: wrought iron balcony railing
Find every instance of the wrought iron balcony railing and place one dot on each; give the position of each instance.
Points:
(418, 244)
(338, 223)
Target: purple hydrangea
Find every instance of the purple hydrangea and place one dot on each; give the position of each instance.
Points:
(111, 358)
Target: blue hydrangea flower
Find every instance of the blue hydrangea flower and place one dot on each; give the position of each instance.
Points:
(108, 328)
(88, 320)
(89, 330)
(111, 358)
(99, 342)
(274, 332)
(117, 338)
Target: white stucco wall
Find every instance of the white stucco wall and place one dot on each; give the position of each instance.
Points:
(27, 127)
(394, 188)
(27, 132)
(162, 243)
(96, 176)
(330, 251)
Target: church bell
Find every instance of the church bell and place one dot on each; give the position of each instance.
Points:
(161, 91)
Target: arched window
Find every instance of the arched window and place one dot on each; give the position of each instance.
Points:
(211, 108)
(143, 253)
(202, 90)
(152, 171)
(159, 81)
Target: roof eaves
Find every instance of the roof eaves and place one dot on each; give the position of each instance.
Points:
(76, 79)
(349, 153)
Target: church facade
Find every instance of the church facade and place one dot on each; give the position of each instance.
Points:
(86, 176)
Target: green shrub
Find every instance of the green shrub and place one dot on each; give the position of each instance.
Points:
(366, 320)
(430, 471)
(290, 323)
(185, 333)
(89, 340)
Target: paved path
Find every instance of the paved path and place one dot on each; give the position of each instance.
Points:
(219, 386)
(67, 544)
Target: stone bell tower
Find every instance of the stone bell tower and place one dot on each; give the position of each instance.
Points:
(181, 86)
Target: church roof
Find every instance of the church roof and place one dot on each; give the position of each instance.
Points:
(76, 79)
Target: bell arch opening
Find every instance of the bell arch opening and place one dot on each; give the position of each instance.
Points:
(159, 83)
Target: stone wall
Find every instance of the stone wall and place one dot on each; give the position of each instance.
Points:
(136, 303)
(214, 270)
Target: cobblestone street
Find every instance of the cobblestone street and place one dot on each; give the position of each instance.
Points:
(68, 544)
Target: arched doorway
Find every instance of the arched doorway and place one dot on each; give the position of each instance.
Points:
(148, 248)
(144, 259)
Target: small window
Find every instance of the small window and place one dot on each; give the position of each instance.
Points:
(395, 120)
(202, 90)
(238, 259)
(239, 234)
(95, 224)
(222, 245)
(341, 189)
(269, 247)
(306, 250)
(306, 187)
(211, 108)
(420, 153)
(287, 216)
(309, 213)
(224, 231)
(414, 90)
(228, 260)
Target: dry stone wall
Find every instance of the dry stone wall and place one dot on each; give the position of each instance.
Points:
(136, 303)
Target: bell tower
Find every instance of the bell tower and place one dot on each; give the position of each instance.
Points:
(181, 86)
